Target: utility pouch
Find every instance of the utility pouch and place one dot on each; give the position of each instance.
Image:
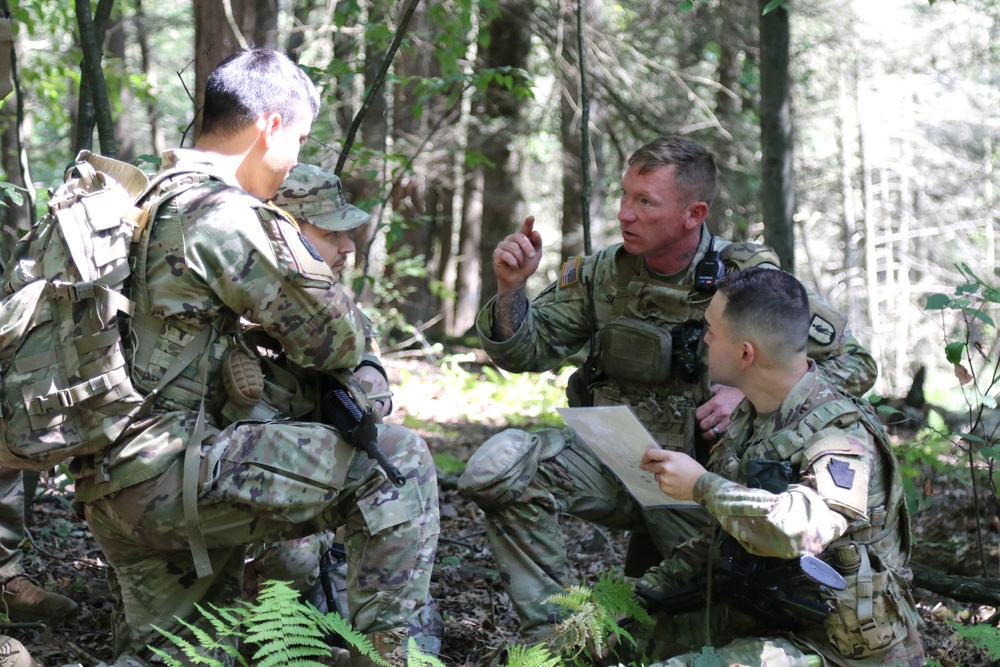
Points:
(634, 351)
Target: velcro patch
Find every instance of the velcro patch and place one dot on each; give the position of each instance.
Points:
(570, 273)
(821, 330)
(842, 473)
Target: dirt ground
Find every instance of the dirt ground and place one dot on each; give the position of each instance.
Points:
(477, 614)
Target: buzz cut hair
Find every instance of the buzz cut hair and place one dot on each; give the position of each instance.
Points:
(768, 307)
(695, 167)
(252, 83)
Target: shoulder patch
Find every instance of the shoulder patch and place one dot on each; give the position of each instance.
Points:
(570, 273)
(822, 331)
(841, 473)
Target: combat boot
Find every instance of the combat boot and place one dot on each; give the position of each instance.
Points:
(13, 654)
(25, 602)
(387, 643)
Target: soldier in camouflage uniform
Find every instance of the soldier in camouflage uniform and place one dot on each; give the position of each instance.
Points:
(314, 199)
(174, 505)
(639, 306)
(802, 469)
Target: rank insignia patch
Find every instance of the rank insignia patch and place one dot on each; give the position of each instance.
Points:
(570, 273)
(821, 330)
(841, 473)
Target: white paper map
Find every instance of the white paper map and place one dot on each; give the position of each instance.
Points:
(619, 439)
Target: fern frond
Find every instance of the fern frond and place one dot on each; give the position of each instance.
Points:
(199, 655)
(335, 623)
(538, 655)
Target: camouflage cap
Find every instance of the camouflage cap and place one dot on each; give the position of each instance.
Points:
(315, 194)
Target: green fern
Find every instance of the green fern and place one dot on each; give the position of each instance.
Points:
(201, 653)
(284, 630)
(594, 615)
(985, 637)
(535, 656)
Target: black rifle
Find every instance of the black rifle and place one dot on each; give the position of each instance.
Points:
(346, 408)
(756, 585)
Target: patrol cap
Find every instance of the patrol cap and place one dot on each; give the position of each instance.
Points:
(315, 194)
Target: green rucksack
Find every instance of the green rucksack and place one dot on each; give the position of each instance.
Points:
(65, 388)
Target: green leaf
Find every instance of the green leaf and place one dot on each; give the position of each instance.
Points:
(685, 6)
(937, 301)
(954, 352)
(980, 315)
(967, 288)
(774, 4)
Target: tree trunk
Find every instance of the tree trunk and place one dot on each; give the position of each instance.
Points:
(776, 135)
(124, 127)
(570, 134)
(95, 109)
(510, 42)
(17, 219)
(733, 208)
(217, 35)
(152, 110)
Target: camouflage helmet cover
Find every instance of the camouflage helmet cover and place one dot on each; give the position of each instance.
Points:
(314, 194)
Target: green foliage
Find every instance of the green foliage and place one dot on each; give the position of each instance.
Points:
(447, 464)
(526, 398)
(534, 656)
(775, 4)
(281, 629)
(967, 321)
(595, 613)
(983, 636)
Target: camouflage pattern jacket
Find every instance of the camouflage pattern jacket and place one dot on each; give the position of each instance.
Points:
(216, 254)
(576, 311)
(844, 503)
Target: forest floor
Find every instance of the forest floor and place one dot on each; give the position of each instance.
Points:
(477, 614)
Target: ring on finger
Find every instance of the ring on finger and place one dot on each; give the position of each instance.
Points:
(715, 431)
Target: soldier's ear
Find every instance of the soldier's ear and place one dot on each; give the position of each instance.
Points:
(696, 213)
(749, 355)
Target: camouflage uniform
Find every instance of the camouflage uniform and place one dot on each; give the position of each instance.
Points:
(844, 504)
(522, 481)
(315, 195)
(215, 254)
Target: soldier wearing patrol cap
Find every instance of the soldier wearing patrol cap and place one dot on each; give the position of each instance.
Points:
(802, 469)
(638, 308)
(314, 199)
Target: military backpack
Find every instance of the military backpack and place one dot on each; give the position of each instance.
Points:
(65, 387)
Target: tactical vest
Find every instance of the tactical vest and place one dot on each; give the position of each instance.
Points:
(650, 315)
(873, 612)
(156, 340)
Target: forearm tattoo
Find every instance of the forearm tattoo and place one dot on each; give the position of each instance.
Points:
(509, 311)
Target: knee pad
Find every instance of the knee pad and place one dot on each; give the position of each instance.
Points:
(503, 467)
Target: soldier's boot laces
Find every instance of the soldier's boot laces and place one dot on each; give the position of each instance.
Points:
(24, 602)
(387, 643)
(13, 654)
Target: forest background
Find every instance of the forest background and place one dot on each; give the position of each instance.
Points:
(859, 139)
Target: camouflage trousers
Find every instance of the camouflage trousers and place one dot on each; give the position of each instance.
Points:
(270, 482)
(304, 562)
(523, 481)
(11, 523)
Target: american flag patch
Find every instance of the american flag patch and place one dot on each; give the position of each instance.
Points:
(570, 273)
